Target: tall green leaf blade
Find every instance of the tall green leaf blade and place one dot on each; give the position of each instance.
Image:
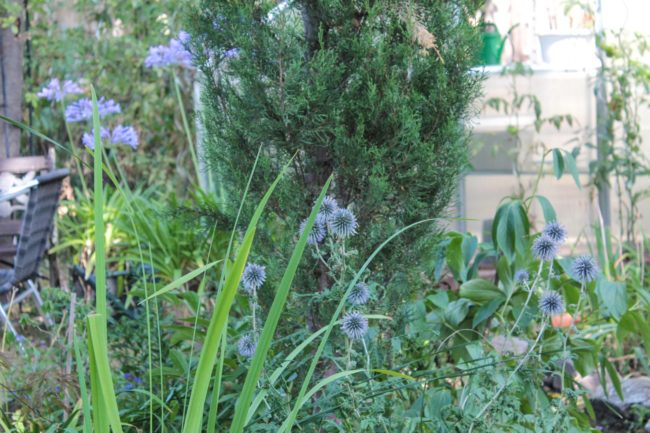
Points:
(194, 415)
(98, 200)
(182, 280)
(264, 343)
(102, 370)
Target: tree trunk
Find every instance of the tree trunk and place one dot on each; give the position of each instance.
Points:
(11, 87)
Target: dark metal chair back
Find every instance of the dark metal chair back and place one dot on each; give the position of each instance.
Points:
(37, 223)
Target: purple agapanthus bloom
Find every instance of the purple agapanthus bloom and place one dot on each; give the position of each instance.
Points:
(54, 91)
(83, 109)
(174, 54)
(88, 139)
(125, 135)
(120, 135)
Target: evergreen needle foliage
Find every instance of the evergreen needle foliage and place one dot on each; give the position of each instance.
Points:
(373, 92)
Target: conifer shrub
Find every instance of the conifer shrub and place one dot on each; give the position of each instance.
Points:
(374, 92)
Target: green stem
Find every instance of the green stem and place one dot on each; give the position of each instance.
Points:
(186, 126)
(76, 157)
(520, 364)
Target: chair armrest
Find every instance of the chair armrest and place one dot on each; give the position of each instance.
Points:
(17, 190)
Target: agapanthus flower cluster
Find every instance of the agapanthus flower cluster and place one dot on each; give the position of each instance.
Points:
(354, 325)
(83, 109)
(120, 135)
(584, 269)
(56, 91)
(174, 54)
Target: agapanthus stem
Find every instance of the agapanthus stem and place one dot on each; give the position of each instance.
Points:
(186, 126)
(76, 157)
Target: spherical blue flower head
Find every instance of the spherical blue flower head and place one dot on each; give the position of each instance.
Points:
(521, 276)
(246, 346)
(545, 248)
(359, 295)
(584, 269)
(329, 206)
(556, 231)
(318, 231)
(355, 325)
(253, 277)
(551, 304)
(343, 223)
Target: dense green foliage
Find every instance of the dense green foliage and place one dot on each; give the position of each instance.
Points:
(105, 43)
(374, 92)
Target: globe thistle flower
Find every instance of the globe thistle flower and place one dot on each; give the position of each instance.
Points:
(88, 138)
(318, 231)
(253, 277)
(551, 304)
(329, 206)
(246, 346)
(125, 135)
(556, 231)
(54, 91)
(584, 269)
(359, 295)
(521, 276)
(83, 109)
(343, 223)
(544, 248)
(355, 325)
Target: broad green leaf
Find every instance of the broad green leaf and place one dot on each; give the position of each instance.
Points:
(454, 257)
(480, 290)
(558, 163)
(456, 311)
(486, 311)
(612, 296)
(547, 208)
(573, 168)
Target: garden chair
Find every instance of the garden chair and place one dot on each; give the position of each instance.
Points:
(35, 228)
(17, 172)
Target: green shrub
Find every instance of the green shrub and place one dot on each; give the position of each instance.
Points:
(373, 92)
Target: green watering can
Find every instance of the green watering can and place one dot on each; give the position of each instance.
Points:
(493, 44)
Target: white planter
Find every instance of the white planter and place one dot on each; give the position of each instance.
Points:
(569, 50)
